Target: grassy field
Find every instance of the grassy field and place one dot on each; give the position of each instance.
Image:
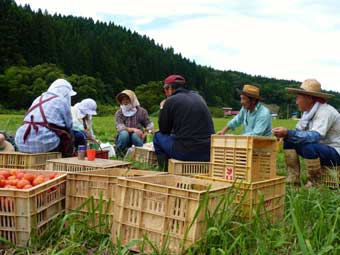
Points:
(311, 224)
(104, 127)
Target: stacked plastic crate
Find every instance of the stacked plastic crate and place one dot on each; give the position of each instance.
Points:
(249, 162)
(19, 160)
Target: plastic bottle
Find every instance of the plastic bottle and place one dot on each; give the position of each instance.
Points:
(149, 137)
(81, 152)
(130, 153)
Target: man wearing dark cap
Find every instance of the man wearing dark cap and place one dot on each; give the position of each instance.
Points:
(254, 116)
(185, 125)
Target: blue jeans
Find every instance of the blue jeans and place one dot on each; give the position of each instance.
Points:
(126, 140)
(164, 147)
(328, 155)
(79, 138)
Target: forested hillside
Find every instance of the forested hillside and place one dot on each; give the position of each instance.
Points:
(100, 59)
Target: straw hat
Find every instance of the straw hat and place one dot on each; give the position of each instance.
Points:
(310, 87)
(250, 91)
(4, 145)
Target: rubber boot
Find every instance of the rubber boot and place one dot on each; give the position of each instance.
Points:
(313, 169)
(292, 166)
(162, 162)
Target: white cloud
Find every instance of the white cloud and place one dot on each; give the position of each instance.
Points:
(282, 39)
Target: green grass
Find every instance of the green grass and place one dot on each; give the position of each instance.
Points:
(311, 223)
(104, 127)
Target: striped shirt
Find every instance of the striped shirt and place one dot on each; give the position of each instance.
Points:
(140, 120)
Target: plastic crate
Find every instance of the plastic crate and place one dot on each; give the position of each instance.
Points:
(247, 158)
(145, 155)
(21, 160)
(102, 154)
(163, 207)
(76, 165)
(25, 211)
(249, 196)
(330, 176)
(188, 168)
(101, 184)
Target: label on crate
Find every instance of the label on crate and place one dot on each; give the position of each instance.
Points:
(268, 203)
(229, 173)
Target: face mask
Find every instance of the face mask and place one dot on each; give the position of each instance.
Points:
(126, 107)
(128, 110)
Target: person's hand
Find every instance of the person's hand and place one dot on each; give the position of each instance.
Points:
(221, 132)
(139, 132)
(144, 135)
(88, 135)
(280, 132)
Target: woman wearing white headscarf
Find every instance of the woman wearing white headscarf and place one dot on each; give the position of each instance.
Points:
(48, 122)
(132, 121)
(82, 121)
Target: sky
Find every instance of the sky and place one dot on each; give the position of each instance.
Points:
(292, 39)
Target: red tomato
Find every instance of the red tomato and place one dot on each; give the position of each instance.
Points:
(38, 180)
(22, 183)
(20, 175)
(2, 183)
(13, 172)
(5, 173)
(52, 176)
(29, 177)
(28, 186)
(13, 182)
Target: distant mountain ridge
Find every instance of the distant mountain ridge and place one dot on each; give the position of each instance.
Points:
(116, 57)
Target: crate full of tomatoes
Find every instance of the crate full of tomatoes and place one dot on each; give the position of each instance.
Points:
(29, 201)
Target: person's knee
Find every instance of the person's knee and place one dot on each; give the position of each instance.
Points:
(123, 135)
(123, 138)
(308, 151)
(136, 140)
(156, 139)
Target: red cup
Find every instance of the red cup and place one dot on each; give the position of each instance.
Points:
(91, 154)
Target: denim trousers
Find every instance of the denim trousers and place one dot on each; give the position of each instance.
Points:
(79, 138)
(163, 144)
(327, 154)
(126, 140)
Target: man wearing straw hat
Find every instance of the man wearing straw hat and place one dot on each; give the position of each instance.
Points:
(316, 137)
(256, 118)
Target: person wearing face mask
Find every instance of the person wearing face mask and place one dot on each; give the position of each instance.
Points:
(47, 124)
(82, 121)
(132, 122)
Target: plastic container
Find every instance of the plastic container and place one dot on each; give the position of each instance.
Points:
(81, 152)
(130, 153)
(188, 168)
(247, 158)
(91, 154)
(163, 208)
(23, 212)
(149, 137)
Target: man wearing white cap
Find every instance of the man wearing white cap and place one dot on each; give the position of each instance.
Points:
(316, 137)
(47, 124)
(82, 121)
